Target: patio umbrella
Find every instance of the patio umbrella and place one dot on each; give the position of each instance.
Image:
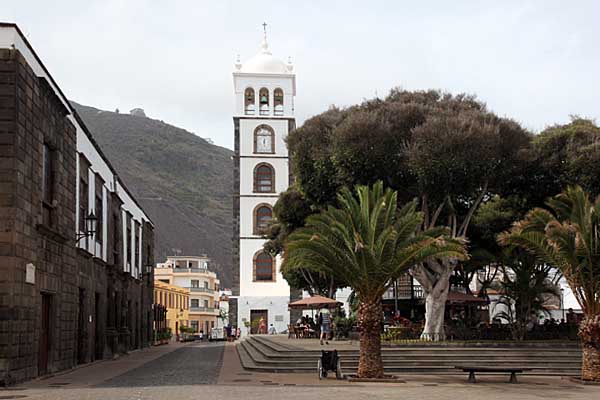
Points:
(314, 302)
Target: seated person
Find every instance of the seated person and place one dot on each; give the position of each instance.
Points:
(272, 330)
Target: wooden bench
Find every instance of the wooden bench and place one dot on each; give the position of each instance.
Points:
(512, 370)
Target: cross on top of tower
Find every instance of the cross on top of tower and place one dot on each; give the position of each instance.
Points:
(264, 45)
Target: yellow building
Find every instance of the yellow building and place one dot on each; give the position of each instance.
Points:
(176, 299)
(191, 272)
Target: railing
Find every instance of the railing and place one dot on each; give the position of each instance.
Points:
(404, 292)
(201, 289)
(202, 309)
(502, 332)
(179, 270)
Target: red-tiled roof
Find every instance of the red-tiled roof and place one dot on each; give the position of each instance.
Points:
(457, 297)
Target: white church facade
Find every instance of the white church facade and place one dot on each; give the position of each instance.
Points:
(264, 115)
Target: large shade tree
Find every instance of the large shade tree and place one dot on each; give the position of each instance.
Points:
(565, 155)
(448, 152)
(567, 236)
(365, 243)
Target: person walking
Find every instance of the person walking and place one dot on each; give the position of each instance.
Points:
(325, 319)
(262, 326)
(228, 333)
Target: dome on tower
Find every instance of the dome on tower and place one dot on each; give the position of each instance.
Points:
(265, 63)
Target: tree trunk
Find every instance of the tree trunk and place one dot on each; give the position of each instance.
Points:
(370, 363)
(436, 287)
(435, 307)
(589, 332)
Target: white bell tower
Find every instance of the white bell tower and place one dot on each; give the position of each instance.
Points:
(264, 88)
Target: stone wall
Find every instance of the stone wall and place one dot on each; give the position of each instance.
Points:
(96, 310)
(35, 232)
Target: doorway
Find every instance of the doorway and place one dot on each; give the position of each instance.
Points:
(44, 349)
(98, 340)
(255, 317)
(81, 336)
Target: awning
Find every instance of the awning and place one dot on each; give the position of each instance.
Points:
(314, 302)
(458, 298)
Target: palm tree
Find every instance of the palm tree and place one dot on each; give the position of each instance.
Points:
(567, 236)
(366, 243)
(526, 285)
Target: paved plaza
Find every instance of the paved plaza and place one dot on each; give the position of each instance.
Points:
(213, 371)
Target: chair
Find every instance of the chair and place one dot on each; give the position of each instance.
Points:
(292, 331)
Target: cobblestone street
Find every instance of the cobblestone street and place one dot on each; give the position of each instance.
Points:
(188, 365)
(213, 371)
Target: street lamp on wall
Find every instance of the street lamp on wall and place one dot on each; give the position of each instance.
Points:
(148, 269)
(91, 223)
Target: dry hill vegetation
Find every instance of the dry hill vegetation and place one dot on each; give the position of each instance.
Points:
(183, 182)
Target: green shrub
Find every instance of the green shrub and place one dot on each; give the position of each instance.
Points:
(412, 332)
(343, 326)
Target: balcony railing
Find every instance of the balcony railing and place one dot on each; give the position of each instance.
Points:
(179, 270)
(202, 309)
(404, 292)
(201, 290)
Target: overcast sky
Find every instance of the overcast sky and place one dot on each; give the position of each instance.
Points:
(534, 61)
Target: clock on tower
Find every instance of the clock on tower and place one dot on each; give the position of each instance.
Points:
(264, 140)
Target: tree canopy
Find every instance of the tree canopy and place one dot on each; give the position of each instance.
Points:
(419, 143)
(567, 155)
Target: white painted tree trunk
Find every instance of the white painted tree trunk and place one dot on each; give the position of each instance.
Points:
(435, 307)
(436, 284)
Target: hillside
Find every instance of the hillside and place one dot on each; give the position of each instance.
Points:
(183, 182)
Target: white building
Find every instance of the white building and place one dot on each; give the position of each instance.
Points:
(265, 88)
(224, 295)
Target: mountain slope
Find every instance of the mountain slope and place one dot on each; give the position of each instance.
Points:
(183, 183)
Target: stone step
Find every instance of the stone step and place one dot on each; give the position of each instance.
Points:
(263, 355)
(297, 344)
(573, 355)
(260, 363)
(418, 350)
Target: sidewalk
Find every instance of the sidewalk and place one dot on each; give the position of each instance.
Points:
(91, 374)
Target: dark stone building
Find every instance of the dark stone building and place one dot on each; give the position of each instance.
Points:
(68, 295)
